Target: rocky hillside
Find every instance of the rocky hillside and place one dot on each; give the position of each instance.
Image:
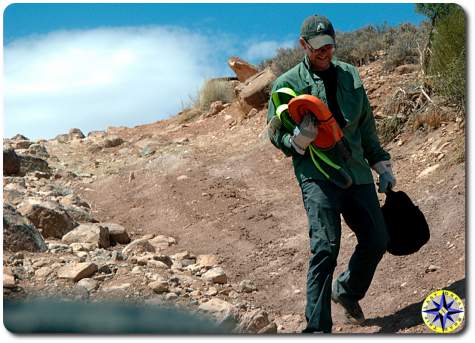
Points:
(204, 213)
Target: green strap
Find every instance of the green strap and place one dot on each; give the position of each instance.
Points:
(283, 114)
(315, 162)
(283, 90)
(325, 158)
(280, 110)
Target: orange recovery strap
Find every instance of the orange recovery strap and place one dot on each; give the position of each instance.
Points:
(290, 109)
(329, 132)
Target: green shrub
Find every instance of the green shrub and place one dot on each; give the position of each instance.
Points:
(215, 90)
(447, 64)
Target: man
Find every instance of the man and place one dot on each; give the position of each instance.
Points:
(339, 86)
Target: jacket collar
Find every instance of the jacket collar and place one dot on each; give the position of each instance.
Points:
(307, 72)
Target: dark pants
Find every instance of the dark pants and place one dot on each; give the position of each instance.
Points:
(359, 205)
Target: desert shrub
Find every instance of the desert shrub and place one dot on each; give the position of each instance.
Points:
(447, 65)
(285, 59)
(215, 90)
(345, 44)
(402, 45)
(389, 127)
(360, 46)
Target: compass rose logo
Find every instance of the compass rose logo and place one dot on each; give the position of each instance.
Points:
(443, 311)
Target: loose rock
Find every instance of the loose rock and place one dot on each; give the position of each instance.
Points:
(159, 286)
(215, 275)
(77, 271)
(88, 233)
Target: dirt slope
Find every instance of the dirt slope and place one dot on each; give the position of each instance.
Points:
(218, 186)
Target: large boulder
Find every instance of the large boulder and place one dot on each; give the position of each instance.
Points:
(19, 234)
(88, 233)
(243, 69)
(30, 164)
(254, 93)
(11, 162)
(38, 150)
(48, 216)
(79, 214)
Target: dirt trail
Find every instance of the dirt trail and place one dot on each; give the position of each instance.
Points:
(218, 186)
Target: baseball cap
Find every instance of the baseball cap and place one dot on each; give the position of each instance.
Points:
(318, 31)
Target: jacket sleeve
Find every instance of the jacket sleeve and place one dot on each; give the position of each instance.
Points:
(281, 138)
(372, 149)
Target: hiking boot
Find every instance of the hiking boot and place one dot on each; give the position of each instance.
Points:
(351, 309)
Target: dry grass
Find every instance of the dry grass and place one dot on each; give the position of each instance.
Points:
(187, 115)
(215, 90)
(430, 119)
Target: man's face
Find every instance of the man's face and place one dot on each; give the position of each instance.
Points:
(319, 58)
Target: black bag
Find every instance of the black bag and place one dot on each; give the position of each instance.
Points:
(407, 226)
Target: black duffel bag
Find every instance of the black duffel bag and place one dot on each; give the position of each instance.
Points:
(407, 227)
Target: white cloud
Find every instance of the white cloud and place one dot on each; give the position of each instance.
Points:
(259, 51)
(103, 77)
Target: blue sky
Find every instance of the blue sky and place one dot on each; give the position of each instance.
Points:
(97, 65)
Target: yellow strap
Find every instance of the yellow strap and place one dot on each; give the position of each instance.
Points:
(286, 90)
(281, 109)
(283, 90)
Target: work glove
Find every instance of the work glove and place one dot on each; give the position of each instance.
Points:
(274, 125)
(387, 180)
(304, 133)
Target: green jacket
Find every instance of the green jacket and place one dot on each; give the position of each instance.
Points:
(360, 131)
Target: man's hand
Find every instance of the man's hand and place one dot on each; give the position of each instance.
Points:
(273, 126)
(304, 133)
(386, 177)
